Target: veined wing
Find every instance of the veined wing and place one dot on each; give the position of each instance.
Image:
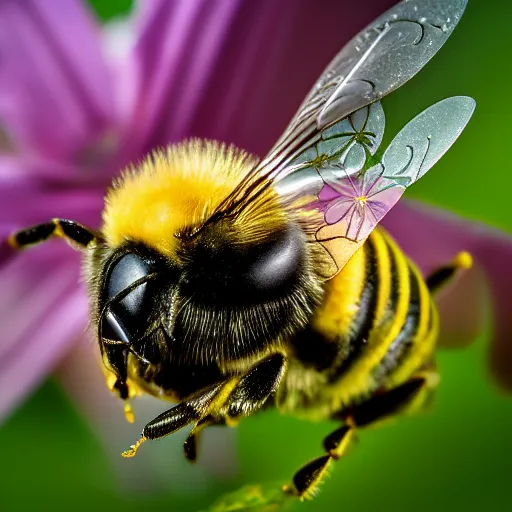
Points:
(324, 162)
(345, 191)
(378, 60)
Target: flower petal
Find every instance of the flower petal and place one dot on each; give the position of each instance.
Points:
(42, 310)
(170, 66)
(27, 202)
(41, 305)
(432, 238)
(272, 56)
(55, 90)
(235, 70)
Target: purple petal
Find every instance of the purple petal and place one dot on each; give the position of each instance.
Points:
(273, 55)
(42, 310)
(339, 210)
(55, 90)
(328, 193)
(432, 238)
(235, 70)
(177, 48)
(41, 305)
(28, 202)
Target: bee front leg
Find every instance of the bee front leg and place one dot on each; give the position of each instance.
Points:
(224, 402)
(255, 388)
(376, 408)
(189, 411)
(71, 231)
(252, 392)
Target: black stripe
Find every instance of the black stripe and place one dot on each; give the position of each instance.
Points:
(364, 318)
(394, 292)
(403, 343)
(386, 404)
(314, 349)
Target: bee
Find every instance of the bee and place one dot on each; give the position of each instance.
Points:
(229, 285)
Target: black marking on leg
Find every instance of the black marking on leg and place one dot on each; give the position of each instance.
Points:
(255, 388)
(122, 388)
(386, 404)
(76, 232)
(444, 274)
(33, 235)
(332, 441)
(69, 229)
(439, 277)
(308, 477)
(189, 411)
(170, 421)
(190, 447)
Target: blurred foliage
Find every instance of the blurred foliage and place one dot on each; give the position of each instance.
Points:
(254, 498)
(458, 457)
(108, 9)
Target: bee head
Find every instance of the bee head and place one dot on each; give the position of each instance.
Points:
(224, 292)
(220, 300)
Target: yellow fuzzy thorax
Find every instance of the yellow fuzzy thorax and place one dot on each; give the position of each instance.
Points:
(176, 188)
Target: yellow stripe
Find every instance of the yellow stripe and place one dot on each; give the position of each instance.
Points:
(425, 304)
(386, 324)
(335, 317)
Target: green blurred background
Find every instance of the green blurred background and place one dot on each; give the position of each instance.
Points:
(457, 457)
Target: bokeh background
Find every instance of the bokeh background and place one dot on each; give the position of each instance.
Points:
(456, 457)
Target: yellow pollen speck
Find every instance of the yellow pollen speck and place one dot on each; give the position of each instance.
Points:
(463, 260)
(128, 413)
(128, 454)
(361, 200)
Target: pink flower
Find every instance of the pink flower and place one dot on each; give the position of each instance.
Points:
(71, 118)
(356, 198)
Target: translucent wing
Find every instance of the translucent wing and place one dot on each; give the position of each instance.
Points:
(324, 165)
(346, 191)
(381, 58)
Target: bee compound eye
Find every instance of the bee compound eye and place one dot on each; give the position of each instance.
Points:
(276, 263)
(127, 315)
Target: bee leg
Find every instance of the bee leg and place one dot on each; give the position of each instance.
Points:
(378, 407)
(189, 411)
(255, 388)
(226, 401)
(251, 393)
(73, 232)
(389, 403)
(307, 479)
(191, 443)
(444, 274)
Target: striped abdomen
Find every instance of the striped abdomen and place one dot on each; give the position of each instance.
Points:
(377, 325)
